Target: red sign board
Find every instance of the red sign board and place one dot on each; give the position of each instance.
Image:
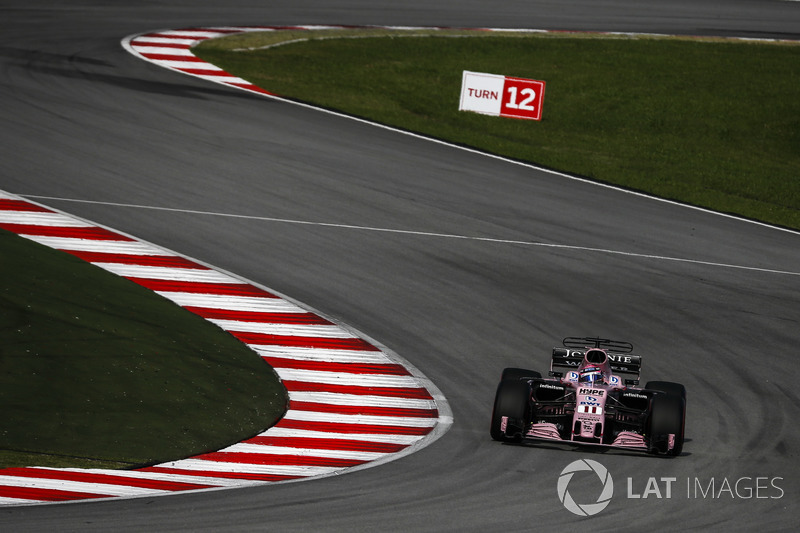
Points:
(522, 98)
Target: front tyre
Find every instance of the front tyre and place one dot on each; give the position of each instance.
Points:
(667, 416)
(512, 400)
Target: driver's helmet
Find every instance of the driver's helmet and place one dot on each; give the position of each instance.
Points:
(590, 374)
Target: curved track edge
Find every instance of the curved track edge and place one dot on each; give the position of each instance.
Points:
(354, 403)
(171, 49)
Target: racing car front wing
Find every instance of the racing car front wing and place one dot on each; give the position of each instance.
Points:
(549, 432)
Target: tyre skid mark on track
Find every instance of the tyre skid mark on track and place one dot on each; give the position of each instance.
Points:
(352, 403)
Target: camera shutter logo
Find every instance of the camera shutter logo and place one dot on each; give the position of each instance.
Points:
(587, 509)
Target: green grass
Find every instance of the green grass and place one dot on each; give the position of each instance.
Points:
(96, 371)
(712, 123)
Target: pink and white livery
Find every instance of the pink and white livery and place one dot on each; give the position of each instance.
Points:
(586, 402)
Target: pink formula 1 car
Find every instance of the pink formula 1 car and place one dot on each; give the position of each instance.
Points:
(586, 402)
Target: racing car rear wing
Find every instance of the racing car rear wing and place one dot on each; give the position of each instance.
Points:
(620, 363)
(623, 363)
(596, 342)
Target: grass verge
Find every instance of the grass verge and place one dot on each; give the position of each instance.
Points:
(96, 371)
(709, 122)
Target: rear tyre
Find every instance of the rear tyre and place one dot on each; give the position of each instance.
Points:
(519, 373)
(673, 389)
(512, 400)
(667, 416)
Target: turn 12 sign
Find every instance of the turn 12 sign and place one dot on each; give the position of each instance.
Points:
(496, 95)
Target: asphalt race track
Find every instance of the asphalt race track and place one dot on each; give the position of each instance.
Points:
(487, 264)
